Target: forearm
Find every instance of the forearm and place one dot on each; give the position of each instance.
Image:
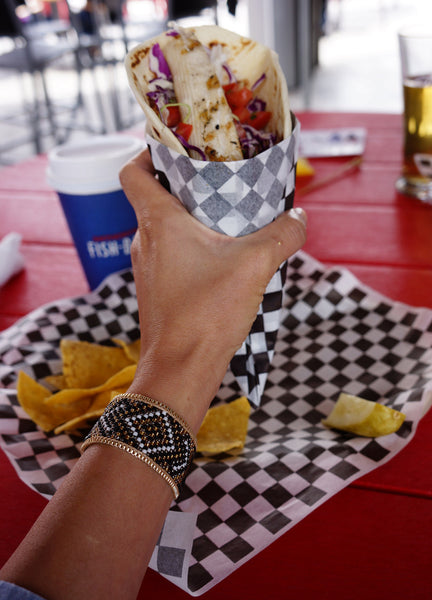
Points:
(97, 533)
(99, 530)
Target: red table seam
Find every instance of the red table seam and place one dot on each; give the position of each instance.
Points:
(390, 489)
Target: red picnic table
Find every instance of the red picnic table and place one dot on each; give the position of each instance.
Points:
(371, 540)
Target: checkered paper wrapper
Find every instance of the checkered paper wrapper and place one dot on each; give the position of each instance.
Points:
(237, 198)
(336, 335)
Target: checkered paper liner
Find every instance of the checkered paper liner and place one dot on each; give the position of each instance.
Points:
(236, 198)
(336, 335)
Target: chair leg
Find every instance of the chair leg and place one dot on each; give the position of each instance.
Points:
(114, 98)
(35, 117)
(99, 102)
(49, 108)
(98, 97)
(80, 102)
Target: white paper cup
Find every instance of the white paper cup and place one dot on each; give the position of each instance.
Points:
(102, 222)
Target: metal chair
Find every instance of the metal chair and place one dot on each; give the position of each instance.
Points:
(31, 53)
(108, 33)
(124, 32)
(116, 23)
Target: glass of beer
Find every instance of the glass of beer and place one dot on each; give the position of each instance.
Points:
(416, 61)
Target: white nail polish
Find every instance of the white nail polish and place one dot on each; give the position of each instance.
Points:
(299, 214)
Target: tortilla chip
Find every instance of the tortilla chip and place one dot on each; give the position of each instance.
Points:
(87, 365)
(117, 384)
(94, 413)
(49, 411)
(35, 399)
(224, 427)
(79, 422)
(102, 399)
(56, 382)
(132, 350)
(118, 380)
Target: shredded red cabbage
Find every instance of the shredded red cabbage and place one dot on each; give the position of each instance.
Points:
(161, 86)
(160, 94)
(258, 82)
(162, 65)
(188, 146)
(160, 97)
(253, 141)
(228, 71)
(256, 104)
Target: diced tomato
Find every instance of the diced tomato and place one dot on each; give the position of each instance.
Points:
(237, 96)
(184, 129)
(242, 114)
(229, 87)
(240, 98)
(258, 119)
(172, 115)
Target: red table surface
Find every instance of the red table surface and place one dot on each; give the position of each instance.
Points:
(372, 540)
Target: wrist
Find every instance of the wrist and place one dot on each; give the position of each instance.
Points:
(187, 384)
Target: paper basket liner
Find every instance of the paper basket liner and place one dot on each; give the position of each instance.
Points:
(336, 335)
(236, 198)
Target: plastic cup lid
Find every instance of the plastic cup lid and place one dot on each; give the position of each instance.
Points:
(91, 166)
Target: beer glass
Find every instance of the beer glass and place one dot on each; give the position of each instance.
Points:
(416, 61)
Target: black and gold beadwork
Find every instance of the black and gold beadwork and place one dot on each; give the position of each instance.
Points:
(150, 431)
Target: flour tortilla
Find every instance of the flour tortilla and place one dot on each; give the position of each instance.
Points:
(247, 59)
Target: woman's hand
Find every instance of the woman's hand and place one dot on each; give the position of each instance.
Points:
(198, 291)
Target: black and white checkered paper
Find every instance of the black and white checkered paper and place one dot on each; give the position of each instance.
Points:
(236, 198)
(336, 335)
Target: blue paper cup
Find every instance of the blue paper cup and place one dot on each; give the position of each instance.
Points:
(99, 216)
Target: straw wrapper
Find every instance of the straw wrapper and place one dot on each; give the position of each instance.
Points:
(237, 198)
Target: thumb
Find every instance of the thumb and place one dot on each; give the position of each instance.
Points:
(283, 237)
(143, 190)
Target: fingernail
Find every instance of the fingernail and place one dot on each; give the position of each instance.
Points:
(299, 214)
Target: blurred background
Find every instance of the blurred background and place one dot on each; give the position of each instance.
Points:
(61, 61)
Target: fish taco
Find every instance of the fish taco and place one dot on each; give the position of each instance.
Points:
(209, 93)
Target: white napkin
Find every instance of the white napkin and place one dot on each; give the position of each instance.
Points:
(11, 260)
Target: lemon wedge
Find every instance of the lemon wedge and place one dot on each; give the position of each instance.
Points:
(304, 168)
(363, 417)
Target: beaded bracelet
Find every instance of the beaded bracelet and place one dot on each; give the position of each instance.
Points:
(150, 431)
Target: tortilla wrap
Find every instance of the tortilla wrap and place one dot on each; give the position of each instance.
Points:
(247, 59)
